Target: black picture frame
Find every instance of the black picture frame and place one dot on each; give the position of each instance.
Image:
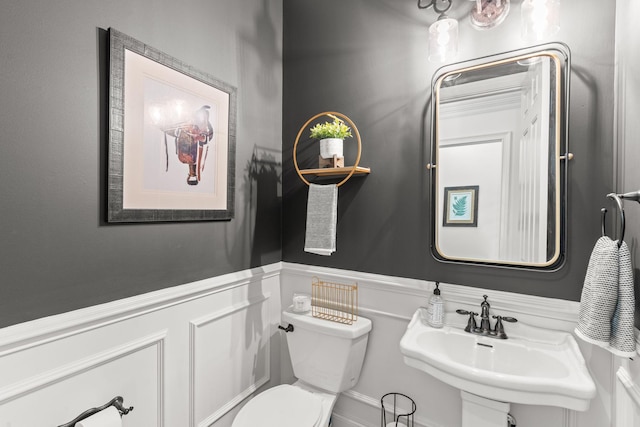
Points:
(144, 142)
(461, 206)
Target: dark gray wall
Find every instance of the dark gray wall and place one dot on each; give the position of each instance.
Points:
(56, 251)
(368, 60)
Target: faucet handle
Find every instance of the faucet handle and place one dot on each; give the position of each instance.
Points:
(506, 318)
(499, 328)
(466, 313)
(471, 324)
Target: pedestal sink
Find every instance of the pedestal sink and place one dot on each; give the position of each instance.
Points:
(545, 368)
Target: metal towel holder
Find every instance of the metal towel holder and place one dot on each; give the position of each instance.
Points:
(634, 195)
(334, 115)
(116, 401)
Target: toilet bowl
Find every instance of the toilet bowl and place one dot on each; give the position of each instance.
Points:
(326, 358)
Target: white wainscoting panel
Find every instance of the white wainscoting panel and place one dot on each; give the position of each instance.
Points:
(104, 374)
(186, 355)
(627, 406)
(191, 355)
(229, 358)
(390, 302)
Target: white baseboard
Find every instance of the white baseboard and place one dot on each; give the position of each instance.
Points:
(375, 405)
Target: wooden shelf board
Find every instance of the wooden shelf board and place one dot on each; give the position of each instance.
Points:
(336, 171)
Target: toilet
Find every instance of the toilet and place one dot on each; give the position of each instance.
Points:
(327, 359)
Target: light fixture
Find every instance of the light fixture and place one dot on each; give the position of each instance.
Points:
(540, 19)
(443, 34)
(489, 13)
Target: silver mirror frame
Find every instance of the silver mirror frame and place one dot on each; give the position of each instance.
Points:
(561, 56)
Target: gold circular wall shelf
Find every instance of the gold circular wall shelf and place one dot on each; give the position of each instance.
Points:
(328, 172)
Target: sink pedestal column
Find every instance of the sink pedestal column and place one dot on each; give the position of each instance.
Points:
(480, 412)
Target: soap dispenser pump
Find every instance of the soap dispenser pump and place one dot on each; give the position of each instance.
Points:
(435, 309)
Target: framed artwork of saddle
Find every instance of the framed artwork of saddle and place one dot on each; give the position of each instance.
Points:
(171, 138)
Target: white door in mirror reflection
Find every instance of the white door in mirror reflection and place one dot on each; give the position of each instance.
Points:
(499, 142)
(530, 208)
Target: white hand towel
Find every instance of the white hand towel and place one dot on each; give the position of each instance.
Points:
(109, 417)
(623, 342)
(607, 301)
(322, 219)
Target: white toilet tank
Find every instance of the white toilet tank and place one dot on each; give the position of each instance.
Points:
(326, 354)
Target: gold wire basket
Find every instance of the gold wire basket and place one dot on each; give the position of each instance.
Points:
(334, 301)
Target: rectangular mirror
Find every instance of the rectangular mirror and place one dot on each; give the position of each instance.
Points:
(499, 138)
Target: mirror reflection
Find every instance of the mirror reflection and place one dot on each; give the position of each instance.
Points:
(498, 140)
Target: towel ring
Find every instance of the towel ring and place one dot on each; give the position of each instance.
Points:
(618, 201)
(304, 126)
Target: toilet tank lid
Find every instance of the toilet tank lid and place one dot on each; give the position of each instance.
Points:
(307, 321)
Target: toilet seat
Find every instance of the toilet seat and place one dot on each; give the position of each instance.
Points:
(281, 406)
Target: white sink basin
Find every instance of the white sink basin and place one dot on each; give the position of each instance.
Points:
(545, 370)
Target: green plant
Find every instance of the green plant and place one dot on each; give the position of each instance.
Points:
(459, 205)
(335, 129)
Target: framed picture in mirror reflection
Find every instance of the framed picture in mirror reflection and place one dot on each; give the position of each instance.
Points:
(461, 206)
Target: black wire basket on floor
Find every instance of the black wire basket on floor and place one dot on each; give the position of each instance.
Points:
(397, 410)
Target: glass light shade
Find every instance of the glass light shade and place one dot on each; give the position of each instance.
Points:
(488, 14)
(443, 40)
(540, 19)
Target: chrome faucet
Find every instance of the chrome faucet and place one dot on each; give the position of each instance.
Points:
(485, 322)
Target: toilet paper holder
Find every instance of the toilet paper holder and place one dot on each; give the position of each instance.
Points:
(116, 402)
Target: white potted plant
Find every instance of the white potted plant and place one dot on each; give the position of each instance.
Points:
(331, 137)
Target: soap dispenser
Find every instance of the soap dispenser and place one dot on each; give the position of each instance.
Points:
(435, 309)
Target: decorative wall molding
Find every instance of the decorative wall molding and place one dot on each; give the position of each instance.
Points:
(399, 285)
(341, 421)
(536, 311)
(629, 385)
(375, 403)
(552, 313)
(57, 351)
(626, 404)
(63, 373)
(390, 301)
(41, 331)
(211, 419)
(199, 323)
(50, 378)
(495, 94)
(366, 311)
